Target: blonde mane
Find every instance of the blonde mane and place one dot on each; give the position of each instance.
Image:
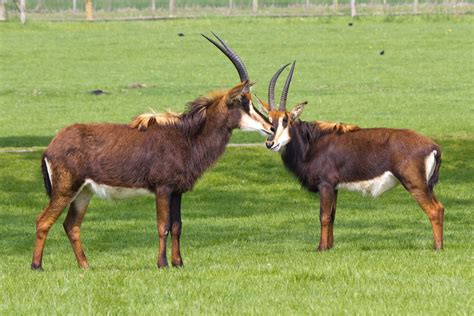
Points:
(143, 121)
(339, 128)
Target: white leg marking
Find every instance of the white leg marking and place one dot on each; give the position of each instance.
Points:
(50, 171)
(374, 187)
(430, 164)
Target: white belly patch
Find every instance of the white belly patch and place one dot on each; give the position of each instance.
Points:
(108, 192)
(374, 187)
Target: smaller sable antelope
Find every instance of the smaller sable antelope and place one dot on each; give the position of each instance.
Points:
(160, 154)
(326, 157)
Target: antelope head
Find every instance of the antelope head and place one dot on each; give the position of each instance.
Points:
(280, 118)
(238, 100)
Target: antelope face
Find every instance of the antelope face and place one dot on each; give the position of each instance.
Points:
(280, 118)
(281, 125)
(238, 99)
(251, 119)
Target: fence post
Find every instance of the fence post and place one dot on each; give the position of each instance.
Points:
(39, 5)
(254, 6)
(172, 7)
(306, 4)
(74, 6)
(415, 6)
(21, 5)
(384, 6)
(335, 6)
(3, 11)
(89, 10)
(153, 6)
(353, 8)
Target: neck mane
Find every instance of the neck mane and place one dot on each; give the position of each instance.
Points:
(204, 126)
(190, 122)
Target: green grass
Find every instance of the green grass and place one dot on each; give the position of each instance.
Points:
(249, 242)
(250, 232)
(424, 80)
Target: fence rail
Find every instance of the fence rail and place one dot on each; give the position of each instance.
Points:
(142, 9)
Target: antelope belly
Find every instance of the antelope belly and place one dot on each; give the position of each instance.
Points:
(374, 187)
(108, 192)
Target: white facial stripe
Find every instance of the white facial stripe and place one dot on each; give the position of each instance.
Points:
(252, 121)
(282, 135)
(249, 124)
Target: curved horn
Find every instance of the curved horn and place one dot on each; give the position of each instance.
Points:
(271, 87)
(233, 57)
(284, 94)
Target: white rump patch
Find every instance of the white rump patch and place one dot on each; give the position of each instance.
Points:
(108, 192)
(374, 187)
(50, 171)
(430, 164)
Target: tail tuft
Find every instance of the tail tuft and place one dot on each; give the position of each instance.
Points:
(46, 176)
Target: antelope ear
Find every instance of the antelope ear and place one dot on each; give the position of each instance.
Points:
(297, 110)
(239, 89)
(263, 104)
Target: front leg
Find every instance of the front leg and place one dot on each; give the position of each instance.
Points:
(163, 196)
(176, 259)
(327, 199)
(333, 218)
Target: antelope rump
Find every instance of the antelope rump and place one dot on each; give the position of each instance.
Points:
(326, 157)
(161, 154)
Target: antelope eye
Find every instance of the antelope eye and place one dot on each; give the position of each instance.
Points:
(246, 104)
(273, 129)
(285, 120)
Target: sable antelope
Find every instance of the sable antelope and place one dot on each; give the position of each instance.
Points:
(326, 157)
(162, 154)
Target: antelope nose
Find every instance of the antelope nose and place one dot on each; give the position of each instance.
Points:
(269, 144)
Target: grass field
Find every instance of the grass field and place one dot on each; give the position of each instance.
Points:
(250, 232)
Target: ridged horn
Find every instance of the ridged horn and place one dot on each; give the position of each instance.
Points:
(233, 57)
(284, 94)
(271, 87)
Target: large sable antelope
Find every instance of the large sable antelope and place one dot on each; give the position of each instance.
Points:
(160, 154)
(326, 157)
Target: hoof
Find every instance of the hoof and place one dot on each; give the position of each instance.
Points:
(178, 264)
(162, 265)
(36, 267)
(320, 248)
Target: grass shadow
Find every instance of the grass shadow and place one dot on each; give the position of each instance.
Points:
(25, 141)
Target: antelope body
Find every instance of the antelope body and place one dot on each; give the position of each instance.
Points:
(160, 154)
(326, 157)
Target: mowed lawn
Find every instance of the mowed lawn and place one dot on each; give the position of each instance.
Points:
(250, 232)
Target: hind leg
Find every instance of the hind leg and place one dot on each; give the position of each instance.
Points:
(435, 212)
(72, 225)
(415, 182)
(44, 221)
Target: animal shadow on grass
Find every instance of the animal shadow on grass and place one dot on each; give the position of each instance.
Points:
(25, 141)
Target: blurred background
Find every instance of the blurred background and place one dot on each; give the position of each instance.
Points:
(160, 9)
